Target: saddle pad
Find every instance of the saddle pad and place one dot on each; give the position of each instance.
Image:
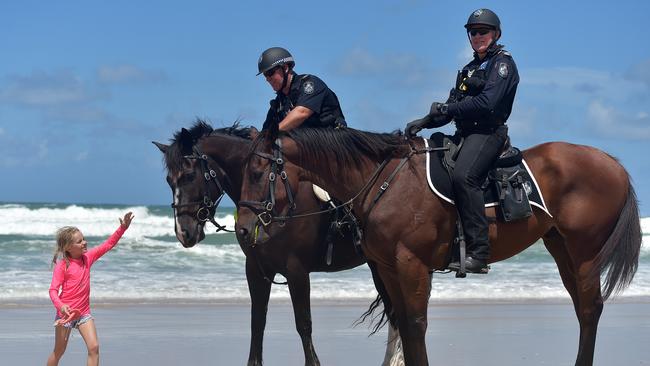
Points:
(440, 183)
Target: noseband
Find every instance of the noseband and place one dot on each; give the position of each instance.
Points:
(204, 213)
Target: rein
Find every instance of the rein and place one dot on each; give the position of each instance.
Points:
(265, 209)
(204, 213)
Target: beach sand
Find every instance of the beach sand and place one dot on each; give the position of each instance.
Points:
(536, 333)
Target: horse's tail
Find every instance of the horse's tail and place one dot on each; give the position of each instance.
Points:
(619, 257)
(370, 313)
(382, 298)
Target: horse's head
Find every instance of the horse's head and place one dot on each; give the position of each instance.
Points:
(196, 183)
(269, 188)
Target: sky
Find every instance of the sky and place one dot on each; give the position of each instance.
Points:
(85, 86)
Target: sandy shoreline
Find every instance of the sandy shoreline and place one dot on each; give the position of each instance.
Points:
(530, 333)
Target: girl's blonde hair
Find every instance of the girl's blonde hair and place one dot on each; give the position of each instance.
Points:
(63, 238)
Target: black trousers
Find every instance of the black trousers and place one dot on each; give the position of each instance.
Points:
(477, 155)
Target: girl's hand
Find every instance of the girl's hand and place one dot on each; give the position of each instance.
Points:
(126, 221)
(71, 315)
(64, 309)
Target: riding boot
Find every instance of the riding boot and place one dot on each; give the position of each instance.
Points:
(472, 265)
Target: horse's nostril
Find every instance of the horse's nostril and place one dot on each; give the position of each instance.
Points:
(186, 234)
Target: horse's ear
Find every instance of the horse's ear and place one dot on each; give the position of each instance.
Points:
(254, 133)
(160, 146)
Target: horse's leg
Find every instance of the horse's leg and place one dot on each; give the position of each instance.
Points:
(298, 281)
(590, 306)
(555, 244)
(393, 355)
(260, 290)
(415, 286)
(585, 293)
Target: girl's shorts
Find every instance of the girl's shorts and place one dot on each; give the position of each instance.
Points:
(75, 323)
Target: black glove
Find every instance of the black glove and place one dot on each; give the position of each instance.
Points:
(435, 110)
(438, 115)
(412, 128)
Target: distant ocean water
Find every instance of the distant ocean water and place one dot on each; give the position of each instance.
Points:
(149, 265)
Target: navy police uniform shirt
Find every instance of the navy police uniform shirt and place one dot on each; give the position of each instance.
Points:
(485, 91)
(310, 92)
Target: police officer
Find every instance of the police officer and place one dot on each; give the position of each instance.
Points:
(480, 105)
(302, 100)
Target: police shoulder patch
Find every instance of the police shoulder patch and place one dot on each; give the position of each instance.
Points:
(503, 70)
(308, 87)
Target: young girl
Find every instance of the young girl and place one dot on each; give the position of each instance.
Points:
(72, 277)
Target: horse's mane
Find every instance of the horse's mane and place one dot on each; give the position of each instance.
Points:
(183, 141)
(347, 146)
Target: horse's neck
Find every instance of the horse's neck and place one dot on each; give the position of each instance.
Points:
(230, 153)
(343, 185)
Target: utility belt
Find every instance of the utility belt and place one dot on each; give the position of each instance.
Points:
(465, 127)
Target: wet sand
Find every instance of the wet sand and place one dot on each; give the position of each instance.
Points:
(537, 333)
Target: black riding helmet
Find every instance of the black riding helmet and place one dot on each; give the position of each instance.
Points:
(272, 57)
(484, 17)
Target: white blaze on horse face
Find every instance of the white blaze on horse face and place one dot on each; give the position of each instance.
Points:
(177, 198)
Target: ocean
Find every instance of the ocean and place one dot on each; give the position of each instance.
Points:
(150, 266)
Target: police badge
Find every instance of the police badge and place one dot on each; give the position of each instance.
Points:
(308, 88)
(503, 70)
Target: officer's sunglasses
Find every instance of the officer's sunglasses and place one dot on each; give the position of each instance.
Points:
(481, 31)
(268, 73)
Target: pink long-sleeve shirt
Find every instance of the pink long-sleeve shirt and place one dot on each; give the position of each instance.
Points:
(74, 281)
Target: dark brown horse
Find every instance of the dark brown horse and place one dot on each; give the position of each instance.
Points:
(295, 251)
(593, 229)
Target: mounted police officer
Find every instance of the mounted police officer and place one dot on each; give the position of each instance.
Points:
(479, 104)
(302, 100)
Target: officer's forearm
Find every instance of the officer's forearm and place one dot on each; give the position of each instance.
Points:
(295, 118)
(470, 107)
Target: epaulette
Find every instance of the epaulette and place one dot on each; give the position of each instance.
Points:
(505, 53)
(298, 85)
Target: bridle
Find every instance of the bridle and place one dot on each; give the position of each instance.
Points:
(206, 207)
(265, 210)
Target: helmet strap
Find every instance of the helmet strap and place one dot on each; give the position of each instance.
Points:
(285, 78)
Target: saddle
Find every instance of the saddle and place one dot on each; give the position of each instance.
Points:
(510, 185)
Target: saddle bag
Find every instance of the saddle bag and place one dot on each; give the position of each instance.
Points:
(513, 191)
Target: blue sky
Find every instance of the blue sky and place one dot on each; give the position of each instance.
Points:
(86, 85)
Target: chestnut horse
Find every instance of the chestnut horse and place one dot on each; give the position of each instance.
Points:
(294, 252)
(593, 229)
